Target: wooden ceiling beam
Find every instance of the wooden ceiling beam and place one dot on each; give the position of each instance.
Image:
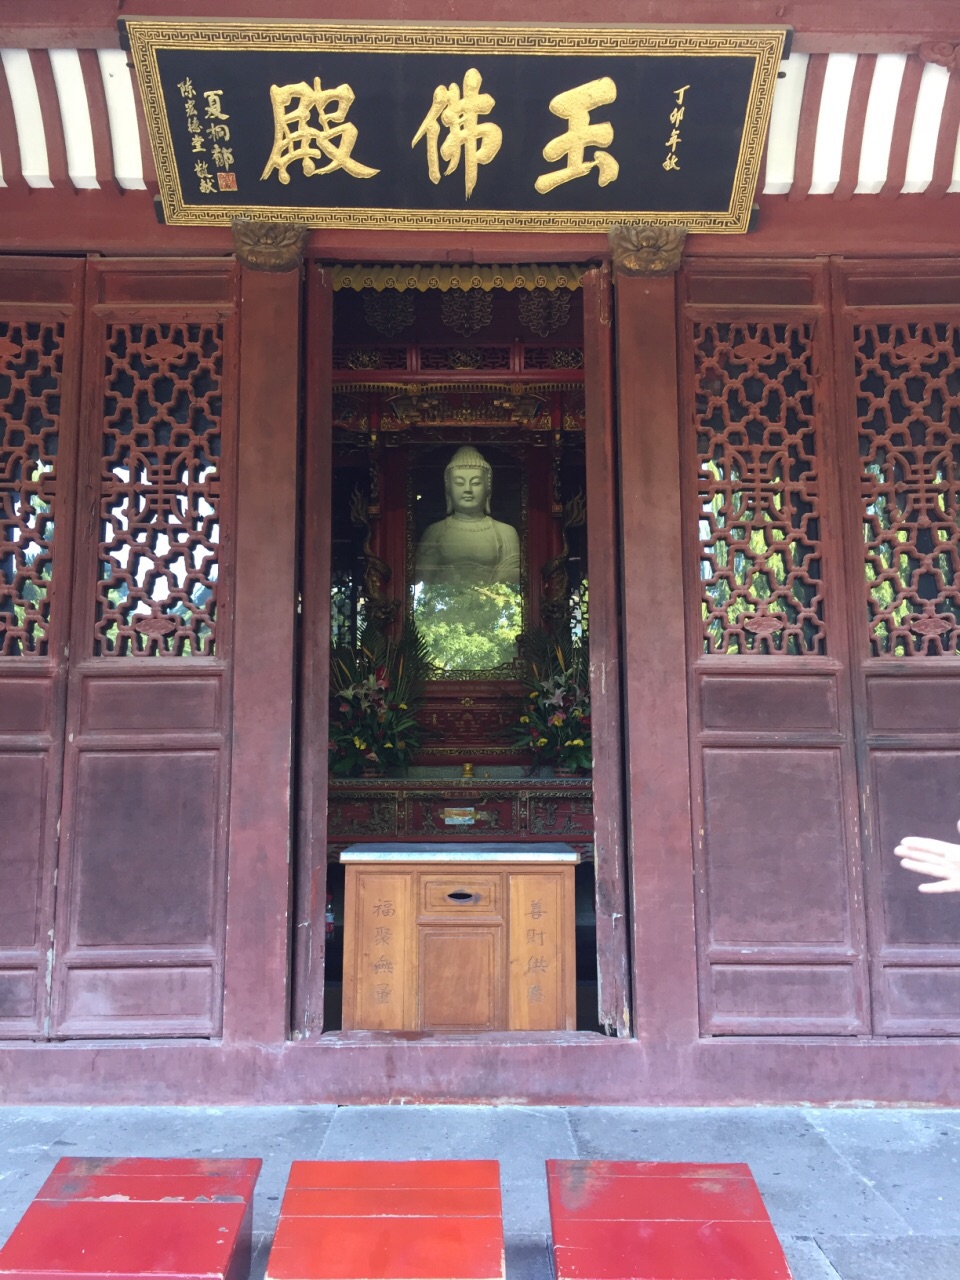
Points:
(821, 26)
(112, 222)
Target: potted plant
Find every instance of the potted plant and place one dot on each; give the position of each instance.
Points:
(376, 691)
(554, 719)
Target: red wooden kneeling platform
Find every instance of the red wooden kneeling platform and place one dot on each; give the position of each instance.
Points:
(622, 1220)
(377, 1220)
(184, 1219)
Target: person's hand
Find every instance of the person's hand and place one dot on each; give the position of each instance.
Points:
(937, 858)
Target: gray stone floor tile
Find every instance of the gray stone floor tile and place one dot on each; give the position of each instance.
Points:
(900, 1258)
(199, 1131)
(911, 1158)
(805, 1184)
(807, 1260)
(29, 1130)
(260, 1252)
(527, 1257)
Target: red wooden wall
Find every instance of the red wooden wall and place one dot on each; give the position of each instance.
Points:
(821, 462)
(122, 699)
(778, 740)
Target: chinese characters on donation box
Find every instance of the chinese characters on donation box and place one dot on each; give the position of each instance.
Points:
(355, 126)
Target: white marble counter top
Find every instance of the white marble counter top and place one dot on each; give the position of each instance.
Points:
(459, 851)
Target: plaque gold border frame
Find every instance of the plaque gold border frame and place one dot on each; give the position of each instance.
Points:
(146, 36)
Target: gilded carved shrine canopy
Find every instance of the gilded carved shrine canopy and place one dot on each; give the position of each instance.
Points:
(456, 128)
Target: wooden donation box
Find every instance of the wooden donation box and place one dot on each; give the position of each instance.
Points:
(459, 937)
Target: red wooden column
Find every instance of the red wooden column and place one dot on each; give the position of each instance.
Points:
(605, 656)
(256, 997)
(658, 796)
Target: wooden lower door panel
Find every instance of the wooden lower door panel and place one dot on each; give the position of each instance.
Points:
(24, 777)
(460, 977)
(917, 948)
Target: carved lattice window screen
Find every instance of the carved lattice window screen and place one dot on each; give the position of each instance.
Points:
(758, 489)
(160, 490)
(908, 405)
(31, 367)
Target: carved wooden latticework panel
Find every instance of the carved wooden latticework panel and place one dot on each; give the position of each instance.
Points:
(908, 404)
(758, 489)
(31, 366)
(160, 490)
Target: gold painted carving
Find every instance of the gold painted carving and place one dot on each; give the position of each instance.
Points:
(644, 250)
(422, 278)
(269, 246)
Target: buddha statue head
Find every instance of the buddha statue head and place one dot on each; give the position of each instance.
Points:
(467, 482)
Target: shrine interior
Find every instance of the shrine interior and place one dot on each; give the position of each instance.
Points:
(495, 375)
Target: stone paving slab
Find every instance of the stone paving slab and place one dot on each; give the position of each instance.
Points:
(911, 1159)
(854, 1194)
(903, 1258)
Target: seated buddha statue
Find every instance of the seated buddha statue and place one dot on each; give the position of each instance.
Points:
(468, 546)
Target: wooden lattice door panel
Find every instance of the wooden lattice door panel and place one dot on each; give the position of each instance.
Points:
(779, 917)
(899, 389)
(143, 850)
(40, 309)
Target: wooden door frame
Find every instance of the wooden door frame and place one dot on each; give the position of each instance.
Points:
(614, 1011)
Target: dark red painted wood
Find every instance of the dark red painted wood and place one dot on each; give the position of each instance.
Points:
(9, 142)
(606, 672)
(780, 922)
(50, 111)
(902, 129)
(374, 1220)
(33, 685)
(883, 25)
(949, 126)
(137, 1218)
(139, 932)
(807, 132)
(113, 222)
(258, 909)
(906, 708)
(311, 864)
(625, 1220)
(99, 119)
(853, 130)
(658, 801)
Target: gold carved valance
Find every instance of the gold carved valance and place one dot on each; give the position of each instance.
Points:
(399, 277)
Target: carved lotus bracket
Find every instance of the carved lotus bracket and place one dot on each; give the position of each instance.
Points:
(269, 246)
(642, 249)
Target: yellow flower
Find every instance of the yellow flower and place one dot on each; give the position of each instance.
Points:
(576, 742)
(388, 744)
(524, 719)
(359, 744)
(541, 742)
(402, 706)
(534, 694)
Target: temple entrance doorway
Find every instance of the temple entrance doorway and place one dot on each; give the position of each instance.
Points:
(450, 627)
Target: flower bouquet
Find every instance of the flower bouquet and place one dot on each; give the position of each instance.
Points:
(554, 720)
(376, 690)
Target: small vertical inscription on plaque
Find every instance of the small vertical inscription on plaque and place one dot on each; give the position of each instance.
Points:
(536, 963)
(382, 913)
